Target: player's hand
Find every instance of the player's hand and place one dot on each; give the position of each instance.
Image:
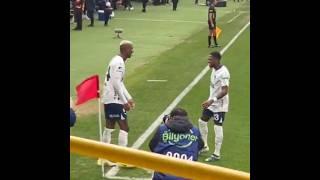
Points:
(207, 103)
(126, 106)
(131, 103)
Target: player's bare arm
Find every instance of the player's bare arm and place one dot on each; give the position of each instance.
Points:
(207, 103)
(224, 91)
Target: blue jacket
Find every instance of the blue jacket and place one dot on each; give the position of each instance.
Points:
(73, 117)
(177, 138)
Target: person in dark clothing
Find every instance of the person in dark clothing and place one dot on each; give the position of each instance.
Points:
(71, 11)
(144, 5)
(91, 5)
(176, 137)
(127, 4)
(156, 2)
(105, 5)
(107, 12)
(78, 9)
(212, 16)
(114, 4)
(175, 4)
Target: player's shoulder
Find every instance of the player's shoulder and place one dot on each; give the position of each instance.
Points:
(225, 71)
(222, 72)
(225, 68)
(116, 60)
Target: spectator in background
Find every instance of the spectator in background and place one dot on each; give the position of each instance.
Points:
(114, 4)
(78, 9)
(127, 5)
(175, 4)
(107, 13)
(90, 5)
(105, 6)
(71, 12)
(144, 5)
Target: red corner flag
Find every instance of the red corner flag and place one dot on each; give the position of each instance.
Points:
(88, 89)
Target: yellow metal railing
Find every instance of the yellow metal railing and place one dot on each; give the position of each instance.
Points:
(157, 162)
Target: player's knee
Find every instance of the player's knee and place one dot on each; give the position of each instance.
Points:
(218, 123)
(125, 129)
(205, 118)
(110, 124)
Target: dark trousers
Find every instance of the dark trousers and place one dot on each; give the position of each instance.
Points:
(127, 3)
(144, 4)
(107, 14)
(175, 4)
(114, 4)
(78, 17)
(90, 15)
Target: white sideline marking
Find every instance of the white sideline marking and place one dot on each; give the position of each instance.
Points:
(233, 18)
(114, 170)
(157, 80)
(163, 20)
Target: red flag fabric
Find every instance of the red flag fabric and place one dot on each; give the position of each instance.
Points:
(88, 89)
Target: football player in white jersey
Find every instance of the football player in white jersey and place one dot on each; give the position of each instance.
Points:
(116, 98)
(217, 104)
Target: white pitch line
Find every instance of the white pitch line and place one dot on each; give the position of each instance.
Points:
(163, 20)
(157, 80)
(233, 18)
(114, 170)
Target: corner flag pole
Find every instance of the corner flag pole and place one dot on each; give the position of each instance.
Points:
(100, 126)
(100, 131)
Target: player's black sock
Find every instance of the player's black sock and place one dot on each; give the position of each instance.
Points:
(209, 40)
(215, 40)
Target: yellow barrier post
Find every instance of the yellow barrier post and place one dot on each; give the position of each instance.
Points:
(157, 162)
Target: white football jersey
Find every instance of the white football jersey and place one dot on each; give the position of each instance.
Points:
(219, 78)
(114, 90)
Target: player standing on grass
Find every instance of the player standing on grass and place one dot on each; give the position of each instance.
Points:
(116, 98)
(217, 104)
